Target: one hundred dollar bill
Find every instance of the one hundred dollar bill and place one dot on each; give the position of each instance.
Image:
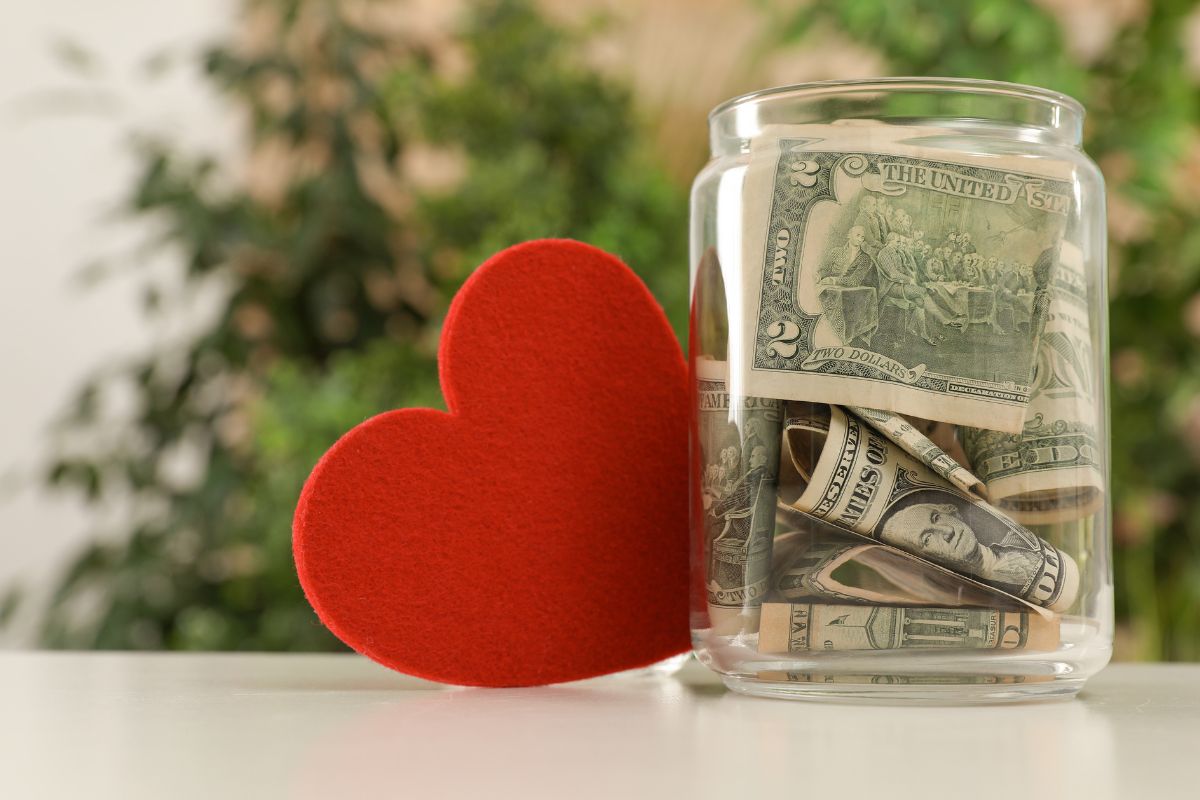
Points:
(1050, 471)
(865, 484)
(800, 627)
(872, 267)
(739, 442)
(842, 569)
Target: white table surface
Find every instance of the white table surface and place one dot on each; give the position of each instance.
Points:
(261, 726)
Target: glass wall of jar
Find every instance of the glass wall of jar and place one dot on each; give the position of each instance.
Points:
(898, 340)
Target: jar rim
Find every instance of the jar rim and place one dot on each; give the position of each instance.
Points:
(905, 83)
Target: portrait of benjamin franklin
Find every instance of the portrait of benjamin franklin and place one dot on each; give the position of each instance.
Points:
(958, 535)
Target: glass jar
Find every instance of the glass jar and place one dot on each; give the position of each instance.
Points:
(900, 480)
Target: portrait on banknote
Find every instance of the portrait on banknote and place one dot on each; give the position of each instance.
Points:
(953, 531)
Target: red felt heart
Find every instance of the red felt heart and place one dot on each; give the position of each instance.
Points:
(537, 532)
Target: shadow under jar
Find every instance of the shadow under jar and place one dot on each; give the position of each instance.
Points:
(900, 480)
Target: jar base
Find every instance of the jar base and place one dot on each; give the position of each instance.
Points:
(907, 689)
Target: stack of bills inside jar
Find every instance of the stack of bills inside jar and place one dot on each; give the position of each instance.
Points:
(902, 419)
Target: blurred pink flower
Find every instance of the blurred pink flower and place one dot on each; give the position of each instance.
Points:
(1128, 367)
(1090, 25)
(1191, 315)
(1189, 426)
(1129, 528)
(1163, 507)
(1128, 221)
(1190, 39)
(1140, 516)
(1185, 178)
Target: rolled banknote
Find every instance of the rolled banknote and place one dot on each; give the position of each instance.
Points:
(799, 627)
(865, 484)
(858, 284)
(801, 452)
(739, 449)
(906, 436)
(795, 468)
(1050, 471)
(846, 569)
(943, 434)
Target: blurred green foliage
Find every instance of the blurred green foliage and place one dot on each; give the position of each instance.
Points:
(335, 270)
(336, 258)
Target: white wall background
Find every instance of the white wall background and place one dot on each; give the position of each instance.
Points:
(64, 165)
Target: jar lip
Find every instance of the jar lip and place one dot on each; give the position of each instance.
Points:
(913, 83)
